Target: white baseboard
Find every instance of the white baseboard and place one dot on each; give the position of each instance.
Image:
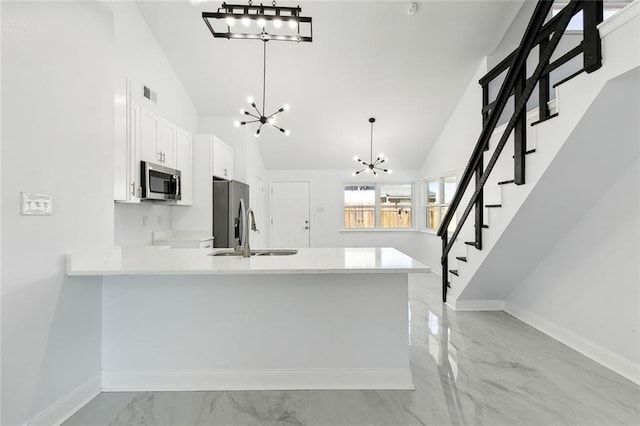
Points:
(256, 380)
(600, 354)
(476, 305)
(66, 406)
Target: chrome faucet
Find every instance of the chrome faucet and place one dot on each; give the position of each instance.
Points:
(245, 216)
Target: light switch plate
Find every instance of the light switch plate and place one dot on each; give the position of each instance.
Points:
(36, 204)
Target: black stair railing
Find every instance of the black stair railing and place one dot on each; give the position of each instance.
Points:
(516, 84)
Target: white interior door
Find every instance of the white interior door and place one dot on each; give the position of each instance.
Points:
(290, 214)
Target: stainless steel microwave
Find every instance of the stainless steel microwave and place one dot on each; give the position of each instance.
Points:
(159, 182)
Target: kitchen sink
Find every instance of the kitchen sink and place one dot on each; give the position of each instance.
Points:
(276, 252)
(266, 252)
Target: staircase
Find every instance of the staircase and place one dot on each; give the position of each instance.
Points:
(484, 254)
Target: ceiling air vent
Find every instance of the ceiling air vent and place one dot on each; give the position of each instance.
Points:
(149, 94)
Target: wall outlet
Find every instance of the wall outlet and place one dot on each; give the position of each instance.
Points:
(36, 204)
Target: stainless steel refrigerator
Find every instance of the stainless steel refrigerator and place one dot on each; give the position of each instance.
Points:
(226, 211)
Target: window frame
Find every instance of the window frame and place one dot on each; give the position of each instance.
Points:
(378, 207)
(439, 204)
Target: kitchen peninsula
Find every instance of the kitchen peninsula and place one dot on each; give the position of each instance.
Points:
(181, 319)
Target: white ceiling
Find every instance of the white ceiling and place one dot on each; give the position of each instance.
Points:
(367, 59)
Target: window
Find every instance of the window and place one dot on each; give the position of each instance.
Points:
(359, 206)
(396, 206)
(438, 194)
(378, 206)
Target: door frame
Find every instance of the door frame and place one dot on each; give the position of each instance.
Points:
(276, 181)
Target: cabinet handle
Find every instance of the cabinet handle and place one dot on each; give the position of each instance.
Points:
(133, 189)
(225, 172)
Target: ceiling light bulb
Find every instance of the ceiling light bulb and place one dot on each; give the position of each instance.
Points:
(257, 133)
(277, 23)
(236, 123)
(381, 155)
(353, 174)
(230, 21)
(293, 23)
(246, 21)
(285, 107)
(287, 132)
(355, 158)
(261, 22)
(242, 111)
(250, 99)
(389, 171)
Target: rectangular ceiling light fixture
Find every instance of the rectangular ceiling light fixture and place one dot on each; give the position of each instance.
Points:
(258, 22)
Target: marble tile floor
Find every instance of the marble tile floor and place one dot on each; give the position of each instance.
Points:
(469, 368)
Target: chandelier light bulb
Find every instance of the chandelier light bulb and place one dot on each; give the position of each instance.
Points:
(246, 22)
(261, 22)
(367, 170)
(230, 21)
(381, 156)
(356, 158)
(389, 171)
(236, 123)
(277, 23)
(243, 111)
(353, 174)
(271, 121)
(250, 99)
(292, 24)
(287, 132)
(285, 107)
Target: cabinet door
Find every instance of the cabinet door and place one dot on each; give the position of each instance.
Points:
(127, 145)
(149, 137)
(134, 187)
(222, 159)
(184, 163)
(121, 180)
(167, 143)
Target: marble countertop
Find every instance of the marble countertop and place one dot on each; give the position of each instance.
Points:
(159, 260)
(177, 236)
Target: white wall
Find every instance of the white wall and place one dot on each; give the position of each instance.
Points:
(326, 189)
(57, 139)
(451, 153)
(138, 56)
(588, 282)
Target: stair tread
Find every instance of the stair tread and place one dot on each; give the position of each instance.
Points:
(493, 205)
(544, 119)
(531, 151)
(470, 243)
(454, 272)
(484, 226)
(504, 182)
(462, 258)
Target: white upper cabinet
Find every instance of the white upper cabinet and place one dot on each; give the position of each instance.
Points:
(222, 159)
(127, 145)
(158, 140)
(184, 163)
